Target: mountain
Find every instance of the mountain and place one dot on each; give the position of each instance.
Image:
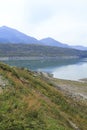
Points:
(52, 42)
(34, 50)
(79, 47)
(10, 35)
(35, 101)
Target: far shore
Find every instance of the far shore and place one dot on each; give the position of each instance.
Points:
(35, 58)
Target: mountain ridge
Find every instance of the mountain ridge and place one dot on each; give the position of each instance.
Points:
(52, 42)
(10, 35)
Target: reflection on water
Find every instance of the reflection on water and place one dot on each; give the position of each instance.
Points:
(72, 72)
(61, 68)
(44, 63)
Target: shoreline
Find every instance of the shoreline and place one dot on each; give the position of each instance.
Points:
(74, 89)
(35, 58)
(8, 59)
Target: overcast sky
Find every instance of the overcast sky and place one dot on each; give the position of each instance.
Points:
(63, 20)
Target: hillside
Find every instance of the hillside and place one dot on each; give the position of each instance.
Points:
(79, 47)
(29, 50)
(13, 36)
(33, 101)
(52, 42)
(10, 35)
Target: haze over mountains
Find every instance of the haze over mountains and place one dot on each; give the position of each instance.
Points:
(52, 42)
(10, 35)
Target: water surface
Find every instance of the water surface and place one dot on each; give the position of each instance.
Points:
(70, 69)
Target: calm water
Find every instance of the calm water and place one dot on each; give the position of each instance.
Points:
(63, 69)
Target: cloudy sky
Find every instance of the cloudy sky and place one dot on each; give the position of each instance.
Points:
(63, 20)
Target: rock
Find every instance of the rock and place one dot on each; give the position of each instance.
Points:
(3, 82)
(73, 125)
(44, 74)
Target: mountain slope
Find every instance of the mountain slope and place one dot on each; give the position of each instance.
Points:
(52, 42)
(9, 35)
(21, 50)
(79, 48)
(29, 101)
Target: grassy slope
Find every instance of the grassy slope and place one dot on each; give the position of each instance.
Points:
(28, 102)
(38, 50)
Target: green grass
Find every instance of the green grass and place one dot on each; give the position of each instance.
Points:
(29, 102)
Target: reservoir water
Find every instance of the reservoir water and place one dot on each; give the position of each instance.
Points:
(70, 69)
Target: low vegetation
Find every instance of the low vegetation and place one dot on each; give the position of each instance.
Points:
(12, 50)
(29, 101)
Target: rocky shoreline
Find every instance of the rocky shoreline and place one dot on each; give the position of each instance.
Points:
(74, 89)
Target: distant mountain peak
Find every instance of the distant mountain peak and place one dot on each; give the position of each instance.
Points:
(4, 27)
(52, 42)
(11, 35)
(50, 39)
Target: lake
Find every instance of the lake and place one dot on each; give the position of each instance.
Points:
(70, 69)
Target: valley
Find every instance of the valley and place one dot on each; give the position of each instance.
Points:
(31, 99)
